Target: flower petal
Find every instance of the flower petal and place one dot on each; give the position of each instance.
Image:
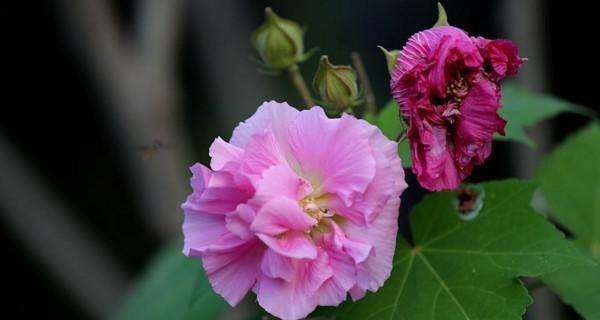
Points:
(222, 153)
(381, 234)
(332, 154)
(214, 192)
(291, 300)
(273, 115)
(280, 215)
(200, 231)
(275, 266)
(477, 124)
(291, 244)
(233, 273)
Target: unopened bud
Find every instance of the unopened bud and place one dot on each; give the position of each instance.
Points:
(279, 42)
(336, 85)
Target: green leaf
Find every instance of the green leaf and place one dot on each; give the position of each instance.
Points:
(388, 120)
(173, 287)
(522, 108)
(461, 269)
(571, 187)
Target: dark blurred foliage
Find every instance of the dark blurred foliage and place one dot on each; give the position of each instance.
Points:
(53, 114)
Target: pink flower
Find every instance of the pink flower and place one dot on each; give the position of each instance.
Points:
(446, 85)
(299, 208)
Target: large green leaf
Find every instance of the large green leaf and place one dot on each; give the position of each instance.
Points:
(571, 186)
(173, 287)
(522, 108)
(461, 269)
(391, 125)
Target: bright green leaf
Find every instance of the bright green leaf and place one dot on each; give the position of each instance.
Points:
(522, 108)
(571, 186)
(469, 269)
(388, 120)
(173, 287)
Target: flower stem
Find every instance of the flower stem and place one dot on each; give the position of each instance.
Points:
(364, 80)
(298, 81)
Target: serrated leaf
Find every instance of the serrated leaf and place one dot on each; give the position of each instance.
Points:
(173, 287)
(391, 125)
(522, 108)
(571, 186)
(461, 269)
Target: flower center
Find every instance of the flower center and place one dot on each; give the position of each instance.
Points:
(457, 90)
(312, 208)
(455, 93)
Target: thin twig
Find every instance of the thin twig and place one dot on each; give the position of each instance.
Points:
(364, 80)
(401, 136)
(300, 85)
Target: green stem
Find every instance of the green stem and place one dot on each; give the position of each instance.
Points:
(364, 80)
(298, 81)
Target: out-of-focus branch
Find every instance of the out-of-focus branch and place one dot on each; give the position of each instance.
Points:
(364, 80)
(46, 228)
(221, 39)
(136, 79)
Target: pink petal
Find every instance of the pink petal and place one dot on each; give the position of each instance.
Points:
(381, 234)
(214, 192)
(222, 153)
(291, 300)
(273, 115)
(291, 244)
(233, 273)
(238, 222)
(366, 206)
(280, 181)
(262, 152)
(333, 154)
(280, 215)
(275, 266)
(200, 231)
(362, 283)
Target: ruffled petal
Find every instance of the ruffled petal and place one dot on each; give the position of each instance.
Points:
(272, 115)
(281, 215)
(332, 154)
(222, 153)
(291, 300)
(291, 244)
(214, 192)
(232, 274)
(200, 231)
(477, 124)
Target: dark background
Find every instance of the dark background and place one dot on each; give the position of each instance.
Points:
(55, 117)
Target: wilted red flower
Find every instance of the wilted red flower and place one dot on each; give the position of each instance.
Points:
(446, 84)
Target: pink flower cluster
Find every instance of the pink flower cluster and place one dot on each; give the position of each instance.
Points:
(299, 208)
(447, 86)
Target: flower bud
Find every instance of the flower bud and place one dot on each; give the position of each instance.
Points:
(336, 85)
(279, 42)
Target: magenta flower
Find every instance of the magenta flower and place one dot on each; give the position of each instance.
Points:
(446, 85)
(299, 208)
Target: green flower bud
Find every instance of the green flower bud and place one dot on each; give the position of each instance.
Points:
(391, 57)
(279, 42)
(336, 85)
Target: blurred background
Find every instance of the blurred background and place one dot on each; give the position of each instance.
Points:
(107, 102)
